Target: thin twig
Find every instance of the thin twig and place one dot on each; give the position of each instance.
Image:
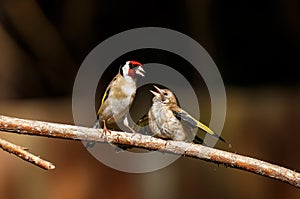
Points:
(55, 130)
(25, 155)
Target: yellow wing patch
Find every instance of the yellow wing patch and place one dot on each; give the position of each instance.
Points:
(103, 99)
(204, 128)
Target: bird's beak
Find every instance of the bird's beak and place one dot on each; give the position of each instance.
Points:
(155, 93)
(158, 93)
(158, 89)
(140, 71)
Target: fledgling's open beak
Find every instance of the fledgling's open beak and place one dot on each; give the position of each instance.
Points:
(158, 93)
(140, 71)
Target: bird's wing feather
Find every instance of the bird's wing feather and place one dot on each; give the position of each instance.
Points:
(143, 121)
(187, 118)
(106, 93)
(142, 125)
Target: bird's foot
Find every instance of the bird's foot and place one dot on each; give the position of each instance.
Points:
(126, 123)
(132, 130)
(105, 130)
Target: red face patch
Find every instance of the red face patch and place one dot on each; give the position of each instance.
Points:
(135, 63)
(131, 73)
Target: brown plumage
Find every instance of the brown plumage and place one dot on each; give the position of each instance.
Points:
(167, 120)
(119, 95)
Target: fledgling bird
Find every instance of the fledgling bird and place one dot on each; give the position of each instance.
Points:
(119, 96)
(168, 121)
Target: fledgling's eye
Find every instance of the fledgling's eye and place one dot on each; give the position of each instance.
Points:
(165, 94)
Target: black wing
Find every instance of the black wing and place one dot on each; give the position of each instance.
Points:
(185, 117)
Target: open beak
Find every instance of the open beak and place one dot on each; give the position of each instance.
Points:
(158, 93)
(140, 71)
(155, 93)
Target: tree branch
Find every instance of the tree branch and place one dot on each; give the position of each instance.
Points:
(64, 131)
(25, 155)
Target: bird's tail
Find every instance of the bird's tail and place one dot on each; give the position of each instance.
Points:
(209, 131)
(222, 139)
(97, 124)
(198, 140)
(91, 144)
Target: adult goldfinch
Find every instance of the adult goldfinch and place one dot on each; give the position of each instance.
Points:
(167, 120)
(119, 96)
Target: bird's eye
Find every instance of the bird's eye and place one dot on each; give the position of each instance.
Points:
(165, 94)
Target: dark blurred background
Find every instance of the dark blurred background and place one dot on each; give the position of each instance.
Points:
(255, 44)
